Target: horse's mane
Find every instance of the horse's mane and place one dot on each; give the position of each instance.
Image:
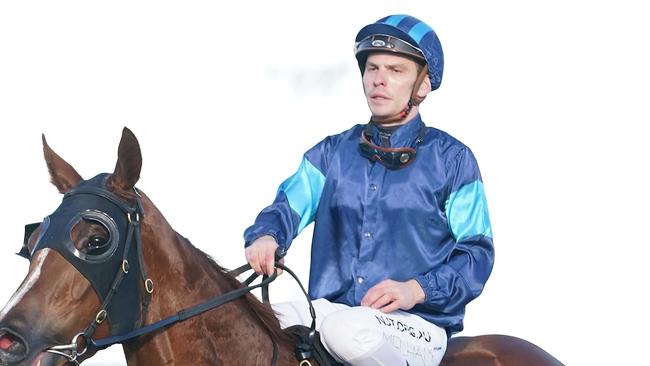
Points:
(257, 309)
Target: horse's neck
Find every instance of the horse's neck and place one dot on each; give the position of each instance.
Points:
(183, 278)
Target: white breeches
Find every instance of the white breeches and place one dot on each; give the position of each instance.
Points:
(362, 336)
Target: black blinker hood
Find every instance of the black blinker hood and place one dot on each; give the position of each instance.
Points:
(90, 200)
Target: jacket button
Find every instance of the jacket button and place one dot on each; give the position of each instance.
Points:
(367, 235)
(373, 187)
(360, 279)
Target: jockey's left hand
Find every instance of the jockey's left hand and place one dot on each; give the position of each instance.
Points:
(389, 295)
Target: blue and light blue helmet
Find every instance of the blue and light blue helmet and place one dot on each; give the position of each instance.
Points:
(405, 35)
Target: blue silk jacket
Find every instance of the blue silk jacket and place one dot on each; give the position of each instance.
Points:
(428, 221)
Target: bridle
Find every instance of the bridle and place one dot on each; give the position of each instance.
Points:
(125, 219)
(122, 257)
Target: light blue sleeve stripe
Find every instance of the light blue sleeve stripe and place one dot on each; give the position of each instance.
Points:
(418, 31)
(467, 212)
(303, 190)
(394, 20)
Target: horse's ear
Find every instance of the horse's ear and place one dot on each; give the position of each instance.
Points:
(129, 162)
(62, 174)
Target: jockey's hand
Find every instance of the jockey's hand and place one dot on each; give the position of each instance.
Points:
(389, 295)
(261, 255)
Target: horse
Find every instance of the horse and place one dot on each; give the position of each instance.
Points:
(106, 267)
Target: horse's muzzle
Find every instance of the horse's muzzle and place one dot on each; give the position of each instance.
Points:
(13, 348)
(14, 351)
(48, 359)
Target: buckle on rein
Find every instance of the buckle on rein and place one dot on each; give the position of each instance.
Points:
(70, 351)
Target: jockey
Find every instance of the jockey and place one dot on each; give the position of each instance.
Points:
(402, 238)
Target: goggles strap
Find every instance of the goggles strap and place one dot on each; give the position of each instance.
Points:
(415, 99)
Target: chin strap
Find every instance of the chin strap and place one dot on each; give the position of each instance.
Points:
(413, 101)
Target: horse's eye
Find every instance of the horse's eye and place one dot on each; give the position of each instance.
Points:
(96, 245)
(93, 236)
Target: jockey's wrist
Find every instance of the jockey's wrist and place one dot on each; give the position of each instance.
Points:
(417, 291)
(266, 239)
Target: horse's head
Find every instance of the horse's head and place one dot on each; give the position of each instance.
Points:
(81, 256)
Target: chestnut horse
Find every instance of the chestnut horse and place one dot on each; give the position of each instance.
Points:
(107, 264)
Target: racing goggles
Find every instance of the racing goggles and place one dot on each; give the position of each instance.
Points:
(392, 158)
(386, 43)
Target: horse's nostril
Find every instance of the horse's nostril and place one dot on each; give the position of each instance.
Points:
(12, 347)
(7, 341)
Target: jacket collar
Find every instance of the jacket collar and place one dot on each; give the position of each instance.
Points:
(403, 136)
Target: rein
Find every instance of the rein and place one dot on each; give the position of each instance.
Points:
(98, 345)
(184, 314)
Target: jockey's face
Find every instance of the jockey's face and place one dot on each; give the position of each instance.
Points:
(388, 82)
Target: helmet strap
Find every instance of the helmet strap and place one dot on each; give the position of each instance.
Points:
(414, 100)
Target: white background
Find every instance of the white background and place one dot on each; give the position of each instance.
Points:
(552, 97)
